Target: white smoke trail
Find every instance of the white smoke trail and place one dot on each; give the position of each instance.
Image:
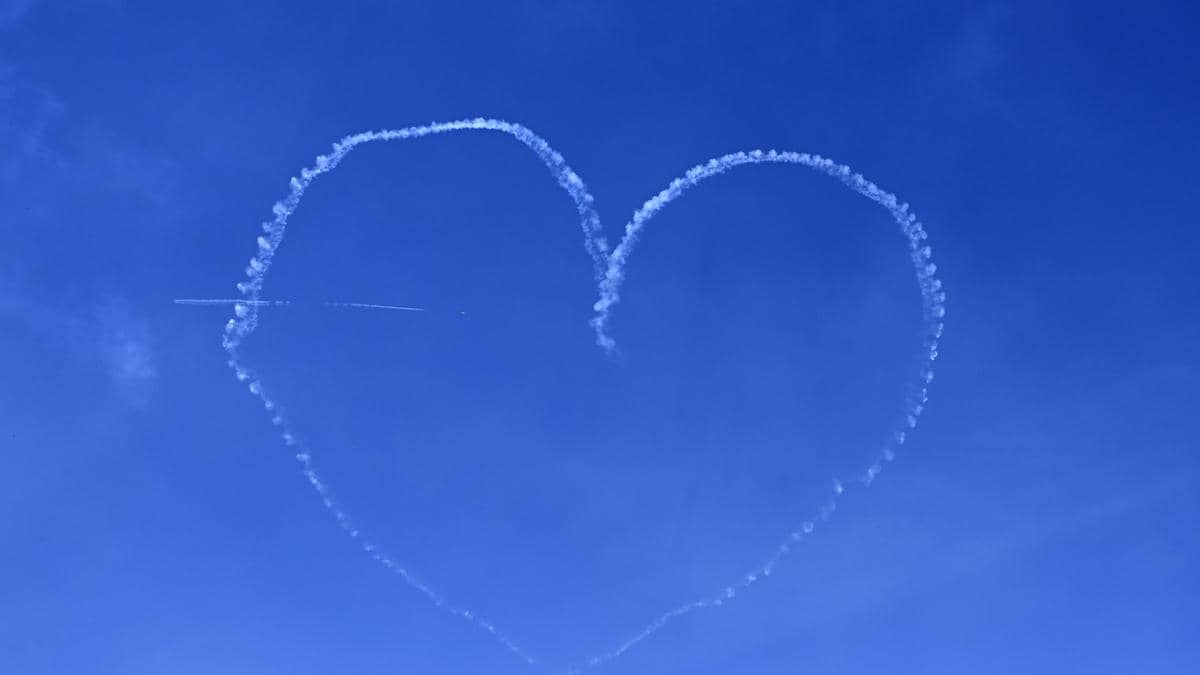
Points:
(245, 318)
(933, 300)
(609, 270)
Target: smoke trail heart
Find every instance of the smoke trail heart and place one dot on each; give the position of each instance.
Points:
(610, 274)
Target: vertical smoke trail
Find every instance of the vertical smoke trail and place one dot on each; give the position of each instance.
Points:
(933, 300)
(245, 318)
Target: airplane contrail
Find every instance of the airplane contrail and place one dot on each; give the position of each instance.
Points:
(368, 305)
(214, 302)
(287, 303)
(610, 274)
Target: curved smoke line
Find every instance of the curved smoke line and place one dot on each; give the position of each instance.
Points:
(933, 300)
(245, 318)
(610, 274)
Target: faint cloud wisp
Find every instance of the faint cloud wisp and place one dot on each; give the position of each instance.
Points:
(124, 342)
(108, 334)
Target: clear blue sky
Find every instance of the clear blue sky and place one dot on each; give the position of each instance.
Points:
(1040, 520)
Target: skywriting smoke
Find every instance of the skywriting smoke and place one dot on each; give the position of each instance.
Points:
(609, 269)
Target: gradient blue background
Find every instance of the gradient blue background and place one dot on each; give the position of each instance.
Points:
(1041, 521)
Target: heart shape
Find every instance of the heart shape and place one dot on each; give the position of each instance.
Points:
(609, 270)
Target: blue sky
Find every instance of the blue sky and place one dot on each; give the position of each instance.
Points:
(1040, 519)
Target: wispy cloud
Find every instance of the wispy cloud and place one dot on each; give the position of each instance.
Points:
(124, 342)
(107, 336)
(44, 146)
(49, 165)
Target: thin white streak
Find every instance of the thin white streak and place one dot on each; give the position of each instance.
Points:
(288, 303)
(367, 305)
(211, 302)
